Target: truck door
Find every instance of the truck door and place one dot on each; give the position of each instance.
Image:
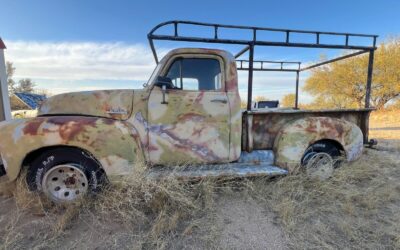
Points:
(192, 125)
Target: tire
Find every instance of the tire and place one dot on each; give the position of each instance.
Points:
(320, 160)
(321, 147)
(65, 174)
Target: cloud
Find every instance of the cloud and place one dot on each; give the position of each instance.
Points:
(76, 66)
(80, 60)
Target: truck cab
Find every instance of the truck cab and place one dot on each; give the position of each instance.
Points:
(195, 117)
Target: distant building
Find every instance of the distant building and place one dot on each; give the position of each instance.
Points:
(25, 104)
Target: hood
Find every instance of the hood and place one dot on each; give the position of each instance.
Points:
(115, 104)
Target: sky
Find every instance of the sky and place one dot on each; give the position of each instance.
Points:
(83, 45)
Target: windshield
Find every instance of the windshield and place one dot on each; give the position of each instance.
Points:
(153, 75)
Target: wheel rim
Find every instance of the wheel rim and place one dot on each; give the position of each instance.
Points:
(65, 183)
(320, 165)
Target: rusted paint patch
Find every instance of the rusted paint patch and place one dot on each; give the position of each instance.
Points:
(32, 127)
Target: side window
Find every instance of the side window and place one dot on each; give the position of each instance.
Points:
(196, 74)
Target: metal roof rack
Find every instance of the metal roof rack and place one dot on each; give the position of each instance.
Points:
(255, 41)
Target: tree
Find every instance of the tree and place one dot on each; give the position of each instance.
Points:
(288, 100)
(10, 69)
(260, 98)
(25, 85)
(387, 73)
(342, 84)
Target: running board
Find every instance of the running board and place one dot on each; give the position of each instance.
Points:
(217, 171)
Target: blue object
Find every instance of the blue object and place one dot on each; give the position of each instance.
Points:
(32, 100)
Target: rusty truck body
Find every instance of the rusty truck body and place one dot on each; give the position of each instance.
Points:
(188, 114)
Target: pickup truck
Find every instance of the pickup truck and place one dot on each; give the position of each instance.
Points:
(188, 114)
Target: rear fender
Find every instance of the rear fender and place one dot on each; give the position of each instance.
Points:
(294, 138)
(113, 143)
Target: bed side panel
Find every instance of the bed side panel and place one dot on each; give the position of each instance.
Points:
(266, 125)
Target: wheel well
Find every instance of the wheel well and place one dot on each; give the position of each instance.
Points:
(336, 144)
(32, 155)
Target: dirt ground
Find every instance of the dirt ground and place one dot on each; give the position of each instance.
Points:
(247, 224)
(358, 208)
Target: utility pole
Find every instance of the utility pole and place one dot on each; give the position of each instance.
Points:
(5, 110)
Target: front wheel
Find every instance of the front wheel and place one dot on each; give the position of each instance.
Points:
(65, 174)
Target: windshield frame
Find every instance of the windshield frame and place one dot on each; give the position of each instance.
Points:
(153, 75)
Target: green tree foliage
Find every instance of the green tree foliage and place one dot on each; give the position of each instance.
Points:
(342, 84)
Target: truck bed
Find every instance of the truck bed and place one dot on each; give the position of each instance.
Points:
(261, 126)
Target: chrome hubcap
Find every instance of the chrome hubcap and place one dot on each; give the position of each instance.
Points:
(320, 166)
(65, 183)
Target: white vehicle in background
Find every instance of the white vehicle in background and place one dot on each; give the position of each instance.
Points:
(25, 113)
(265, 104)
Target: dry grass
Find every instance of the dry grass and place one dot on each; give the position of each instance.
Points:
(358, 208)
(386, 125)
(157, 211)
(385, 118)
(135, 212)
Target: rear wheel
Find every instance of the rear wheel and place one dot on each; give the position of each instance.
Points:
(65, 174)
(320, 159)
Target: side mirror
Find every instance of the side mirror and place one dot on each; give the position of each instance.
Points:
(164, 81)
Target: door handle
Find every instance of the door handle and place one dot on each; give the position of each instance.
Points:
(222, 100)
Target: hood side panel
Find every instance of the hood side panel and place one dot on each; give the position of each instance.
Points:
(115, 104)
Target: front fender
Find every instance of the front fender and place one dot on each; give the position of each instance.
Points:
(113, 143)
(294, 138)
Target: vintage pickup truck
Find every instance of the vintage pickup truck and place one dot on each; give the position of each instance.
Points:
(188, 114)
